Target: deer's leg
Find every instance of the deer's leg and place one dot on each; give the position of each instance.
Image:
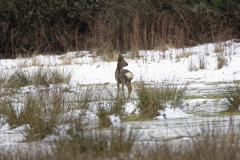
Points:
(123, 90)
(129, 89)
(117, 88)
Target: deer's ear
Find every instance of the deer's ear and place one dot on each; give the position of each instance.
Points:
(120, 57)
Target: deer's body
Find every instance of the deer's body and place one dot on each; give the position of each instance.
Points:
(123, 76)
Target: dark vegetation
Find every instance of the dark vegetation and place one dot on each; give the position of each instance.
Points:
(49, 26)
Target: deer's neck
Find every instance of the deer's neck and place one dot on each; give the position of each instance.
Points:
(118, 68)
(117, 72)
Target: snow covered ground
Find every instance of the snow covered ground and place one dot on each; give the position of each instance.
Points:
(152, 67)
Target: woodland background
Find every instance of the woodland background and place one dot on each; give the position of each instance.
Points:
(106, 26)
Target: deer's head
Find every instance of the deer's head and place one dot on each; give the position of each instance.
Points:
(121, 62)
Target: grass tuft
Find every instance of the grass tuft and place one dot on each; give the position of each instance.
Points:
(153, 99)
(44, 77)
(221, 61)
(95, 145)
(231, 94)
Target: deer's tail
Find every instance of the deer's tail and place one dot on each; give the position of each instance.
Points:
(129, 75)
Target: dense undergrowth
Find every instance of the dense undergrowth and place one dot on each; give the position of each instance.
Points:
(105, 26)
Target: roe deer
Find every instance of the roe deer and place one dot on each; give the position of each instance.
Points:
(123, 76)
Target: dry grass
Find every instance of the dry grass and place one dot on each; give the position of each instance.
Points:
(41, 76)
(202, 61)
(192, 65)
(221, 61)
(163, 47)
(156, 97)
(218, 48)
(67, 59)
(187, 54)
(231, 95)
(36, 62)
(213, 142)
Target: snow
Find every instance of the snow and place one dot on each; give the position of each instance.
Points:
(171, 113)
(151, 67)
(115, 121)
